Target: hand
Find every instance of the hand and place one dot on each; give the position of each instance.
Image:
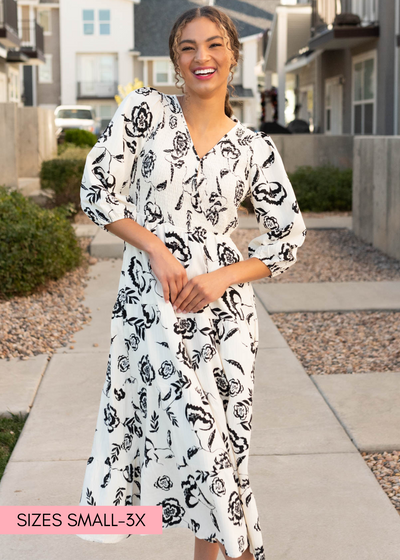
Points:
(201, 290)
(169, 271)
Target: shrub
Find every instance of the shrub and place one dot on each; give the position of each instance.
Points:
(322, 189)
(36, 244)
(80, 137)
(70, 151)
(63, 176)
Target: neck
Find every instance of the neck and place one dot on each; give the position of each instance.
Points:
(203, 113)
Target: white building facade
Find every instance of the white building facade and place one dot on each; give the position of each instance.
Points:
(96, 38)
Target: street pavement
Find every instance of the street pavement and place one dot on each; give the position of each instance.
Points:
(317, 498)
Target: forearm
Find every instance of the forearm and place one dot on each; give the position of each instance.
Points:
(245, 271)
(135, 234)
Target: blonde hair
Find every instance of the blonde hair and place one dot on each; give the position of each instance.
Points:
(227, 27)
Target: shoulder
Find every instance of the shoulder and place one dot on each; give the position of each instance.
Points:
(260, 140)
(144, 96)
(152, 104)
(256, 142)
(143, 110)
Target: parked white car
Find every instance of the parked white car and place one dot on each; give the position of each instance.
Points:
(75, 116)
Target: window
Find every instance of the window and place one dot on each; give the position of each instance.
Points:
(104, 19)
(85, 114)
(46, 70)
(364, 79)
(164, 73)
(97, 75)
(44, 19)
(88, 22)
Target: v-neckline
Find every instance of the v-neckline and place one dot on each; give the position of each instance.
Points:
(190, 136)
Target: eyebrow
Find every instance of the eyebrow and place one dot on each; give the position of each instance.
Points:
(194, 42)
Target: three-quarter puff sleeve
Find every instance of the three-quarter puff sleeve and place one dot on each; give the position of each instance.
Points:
(281, 225)
(110, 165)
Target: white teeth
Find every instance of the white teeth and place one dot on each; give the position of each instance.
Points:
(205, 72)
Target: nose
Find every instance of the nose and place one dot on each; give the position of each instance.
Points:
(201, 54)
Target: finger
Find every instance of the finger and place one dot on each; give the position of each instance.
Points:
(165, 288)
(183, 295)
(173, 290)
(199, 306)
(193, 302)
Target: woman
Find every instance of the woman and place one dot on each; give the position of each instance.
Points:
(167, 176)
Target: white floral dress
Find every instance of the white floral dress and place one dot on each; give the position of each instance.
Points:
(175, 414)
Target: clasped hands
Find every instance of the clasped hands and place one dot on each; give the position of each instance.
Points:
(187, 296)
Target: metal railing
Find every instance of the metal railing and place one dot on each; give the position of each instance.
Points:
(96, 89)
(9, 15)
(324, 12)
(31, 35)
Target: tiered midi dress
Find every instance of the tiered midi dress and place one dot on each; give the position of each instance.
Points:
(175, 416)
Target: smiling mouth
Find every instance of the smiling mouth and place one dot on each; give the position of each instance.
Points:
(205, 72)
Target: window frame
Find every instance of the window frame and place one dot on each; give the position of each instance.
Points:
(89, 21)
(50, 30)
(372, 54)
(104, 21)
(171, 72)
(49, 57)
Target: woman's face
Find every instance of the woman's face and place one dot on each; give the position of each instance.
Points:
(204, 57)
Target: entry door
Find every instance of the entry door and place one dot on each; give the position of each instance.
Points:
(333, 106)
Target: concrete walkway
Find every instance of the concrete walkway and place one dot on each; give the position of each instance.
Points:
(329, 296)
(317, 498)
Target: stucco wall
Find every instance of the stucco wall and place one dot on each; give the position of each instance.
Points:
(314, 150)
(27, 137)
(376, 192)
(8, 144)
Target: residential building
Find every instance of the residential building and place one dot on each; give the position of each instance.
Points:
(21, 50)
(78, 53)
(341, 65)
(49, 74)
(96, 39)
(9, 39)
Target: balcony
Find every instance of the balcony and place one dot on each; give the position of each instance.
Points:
(342, 24)
(9, 23)
(96, 90)
(32, 41)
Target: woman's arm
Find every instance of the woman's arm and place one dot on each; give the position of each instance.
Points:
(135, 234)
(169, 271)
(244, 271)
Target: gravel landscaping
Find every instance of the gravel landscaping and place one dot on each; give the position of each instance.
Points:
(352, 342)
(386, 468)
(42, 322)
(332, 255)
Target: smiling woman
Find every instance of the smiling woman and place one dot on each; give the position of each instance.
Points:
(168, 176)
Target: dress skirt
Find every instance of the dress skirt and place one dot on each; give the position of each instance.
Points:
(174, 421)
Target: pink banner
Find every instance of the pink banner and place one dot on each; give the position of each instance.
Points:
(65, 520)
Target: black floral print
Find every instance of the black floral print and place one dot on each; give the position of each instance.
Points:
(175, 413)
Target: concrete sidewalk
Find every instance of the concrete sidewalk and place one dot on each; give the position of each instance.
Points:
(317, 498)
(329, 296)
